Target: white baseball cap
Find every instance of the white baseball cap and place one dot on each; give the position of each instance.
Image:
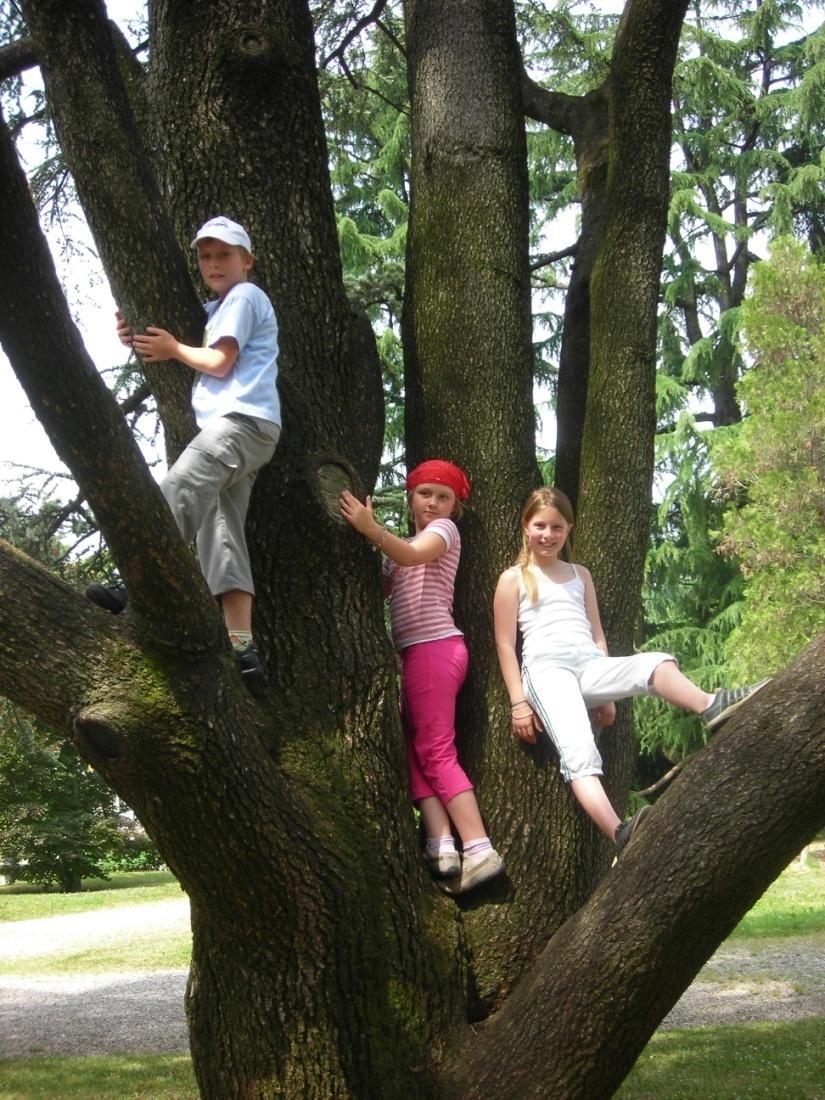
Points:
(224, 229)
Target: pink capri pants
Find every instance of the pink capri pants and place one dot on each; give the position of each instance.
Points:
(431, 677)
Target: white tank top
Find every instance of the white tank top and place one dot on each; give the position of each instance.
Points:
(556, 626)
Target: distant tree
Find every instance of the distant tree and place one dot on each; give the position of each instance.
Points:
(748, 130)
(692, 597)
(773, 463)
(58, 823)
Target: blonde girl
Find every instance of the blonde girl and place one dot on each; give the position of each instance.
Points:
(566, 671)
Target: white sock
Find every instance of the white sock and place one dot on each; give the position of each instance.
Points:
(438, 845)
(478, 847)
(240, 639)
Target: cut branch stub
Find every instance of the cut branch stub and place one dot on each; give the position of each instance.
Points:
(328, 478)
(100, 742)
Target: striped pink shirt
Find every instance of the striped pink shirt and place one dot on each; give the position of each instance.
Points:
(421, 600)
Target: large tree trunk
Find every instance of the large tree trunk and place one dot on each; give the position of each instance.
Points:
(616, 473)
(617, 452)
(467, 348)
(298, 820)
(325, 965)
(721, 833)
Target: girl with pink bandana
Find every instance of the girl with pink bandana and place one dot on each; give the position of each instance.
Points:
(418, 577)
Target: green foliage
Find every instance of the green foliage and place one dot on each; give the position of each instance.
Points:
(49, 531)
(748, 160)
(58, 822)
(774, 459)
(692, 595)
(134, 851)
(366, 114)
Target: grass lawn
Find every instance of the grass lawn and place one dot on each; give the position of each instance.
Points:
(141, 949)
(150, 950)
(22, 901)
(753, 1061)
(758, 1061)
(110, 1077)
(794, 905)
(746, 1062)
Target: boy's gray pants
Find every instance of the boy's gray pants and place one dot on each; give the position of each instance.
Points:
(208, 490)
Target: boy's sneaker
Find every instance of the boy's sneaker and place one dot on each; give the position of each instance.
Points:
(474, 871)
(627, 830)
(110, 599)
(249, 666)
(726, 701)
(444, 864)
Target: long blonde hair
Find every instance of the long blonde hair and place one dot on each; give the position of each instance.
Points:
(548, 497)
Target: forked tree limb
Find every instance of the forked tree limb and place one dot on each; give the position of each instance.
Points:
(86, 427)
(713, 844)
(104, 147)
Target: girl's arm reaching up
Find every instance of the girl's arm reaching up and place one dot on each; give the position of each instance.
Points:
(422, 549)
(505, 615)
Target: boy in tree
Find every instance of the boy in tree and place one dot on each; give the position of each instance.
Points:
(236, 404)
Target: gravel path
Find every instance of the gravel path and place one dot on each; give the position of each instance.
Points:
(142, 1011)
(119, 1012)
(776, 980)
(132, 1012)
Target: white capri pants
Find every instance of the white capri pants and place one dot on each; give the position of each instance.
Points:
(208, 490)
(562, 694)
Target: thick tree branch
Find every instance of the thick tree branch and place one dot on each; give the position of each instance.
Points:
(16, 57)
(76, 668)
(702, 859)
(616, 472)
(585, 120)
(86, 427)
(52, 641)
(555, 109)
(553, 257)
(102, 146)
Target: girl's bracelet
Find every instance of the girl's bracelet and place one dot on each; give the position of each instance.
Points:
(377, 545)
(520, 703)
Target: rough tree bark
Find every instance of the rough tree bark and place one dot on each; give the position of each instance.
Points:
(616, 471)
(339, 778)
(585, 120)
(574, 1028)
(468, 362)
(617, 449)
(324, 964)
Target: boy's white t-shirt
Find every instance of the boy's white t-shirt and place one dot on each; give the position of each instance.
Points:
(246, 315)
